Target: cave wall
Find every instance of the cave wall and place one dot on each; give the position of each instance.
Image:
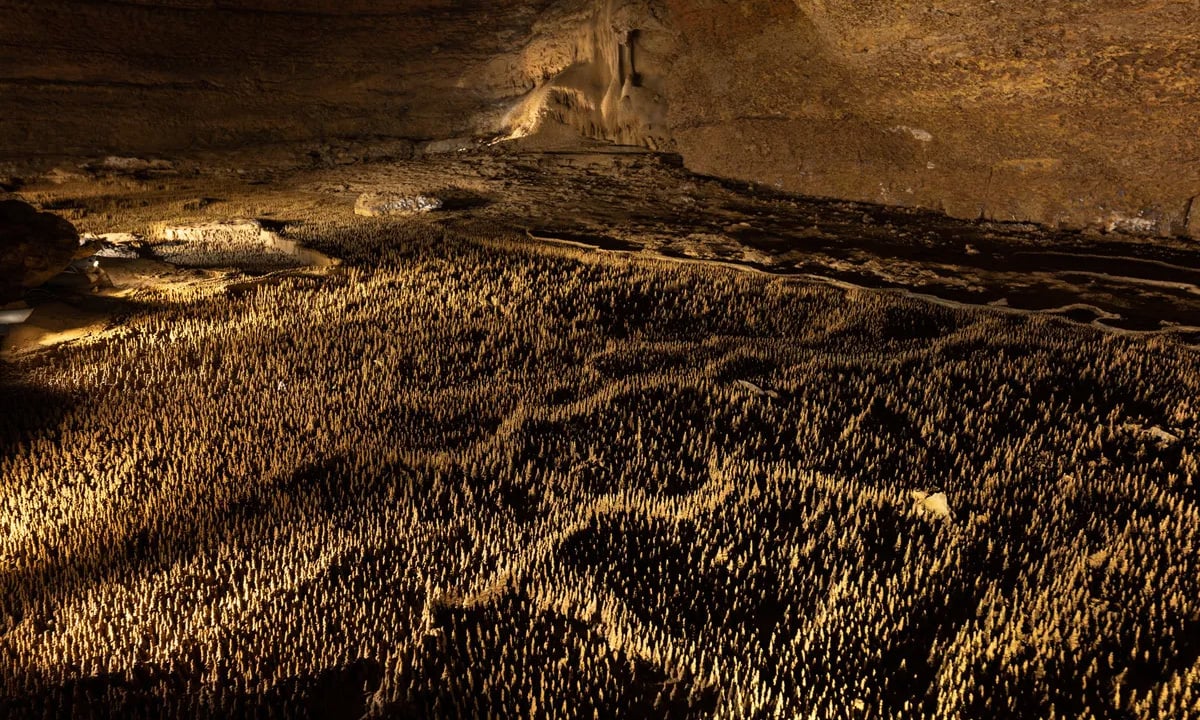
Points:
(1065, 112)
(82, 78)
(1071, 113)
(597, 67)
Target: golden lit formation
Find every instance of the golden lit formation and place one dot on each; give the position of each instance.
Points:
(600, 359)
(465, 474)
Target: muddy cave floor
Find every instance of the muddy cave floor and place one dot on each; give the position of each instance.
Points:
(599, 438)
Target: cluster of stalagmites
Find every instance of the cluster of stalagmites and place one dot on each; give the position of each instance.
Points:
(242, 243)
(465, 479)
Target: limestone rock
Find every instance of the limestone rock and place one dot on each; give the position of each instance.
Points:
(238, 231)
(240, 242)
(125, 164)
(111, 245)
(133, 165)
(1074, 114)
(935, 504)
(375, 204)
(34, 247)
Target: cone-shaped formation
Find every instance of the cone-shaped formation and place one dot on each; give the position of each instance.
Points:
(467, 479)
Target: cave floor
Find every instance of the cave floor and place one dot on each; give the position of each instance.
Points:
(599, 438)
(627, 201)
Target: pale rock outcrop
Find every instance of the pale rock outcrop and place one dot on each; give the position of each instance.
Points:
(376, 204)
(934, 504)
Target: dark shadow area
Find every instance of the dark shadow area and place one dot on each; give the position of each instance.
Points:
(28, 410)
(178, 692)
(200, 203)
(459, 199)
(274, 224)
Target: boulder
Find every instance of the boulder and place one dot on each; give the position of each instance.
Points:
(125, 164)
(34, 247)
(936, 504)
